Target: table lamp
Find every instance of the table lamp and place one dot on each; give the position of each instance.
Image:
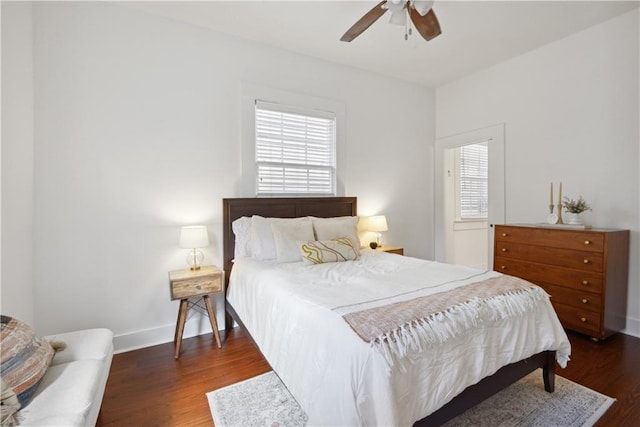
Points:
(376, 224)
(193, 237)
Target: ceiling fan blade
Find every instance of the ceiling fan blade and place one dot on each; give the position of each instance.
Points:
(364, 22)
(427, 25)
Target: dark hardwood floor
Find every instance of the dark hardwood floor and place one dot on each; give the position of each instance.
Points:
(148, 387)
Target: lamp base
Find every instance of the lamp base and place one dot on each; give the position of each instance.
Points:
(194, 259)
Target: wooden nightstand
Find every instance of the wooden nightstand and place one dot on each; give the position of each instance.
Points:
(185, 284)
(391, 249)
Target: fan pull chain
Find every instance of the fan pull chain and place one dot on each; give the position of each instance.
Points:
(407, 26)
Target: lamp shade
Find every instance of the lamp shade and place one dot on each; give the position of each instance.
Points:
(376, 223)
(194, 236)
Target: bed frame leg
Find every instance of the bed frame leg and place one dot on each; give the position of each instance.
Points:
(228, 322)
(549, 372)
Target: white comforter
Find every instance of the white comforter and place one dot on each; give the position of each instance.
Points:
(294, 313)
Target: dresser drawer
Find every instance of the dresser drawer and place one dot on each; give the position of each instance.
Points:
(566, 239)
(193, 287)
(578, 319)
(542, 273)
(579, 260)
(574, 298)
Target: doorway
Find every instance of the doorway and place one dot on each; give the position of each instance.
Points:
(460, 239)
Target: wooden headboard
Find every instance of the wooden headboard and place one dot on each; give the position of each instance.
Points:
(280, 207)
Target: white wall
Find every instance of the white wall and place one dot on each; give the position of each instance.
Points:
(17, 162)
(137, 132)
(571, 114)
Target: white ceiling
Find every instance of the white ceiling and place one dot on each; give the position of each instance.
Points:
(475, 34)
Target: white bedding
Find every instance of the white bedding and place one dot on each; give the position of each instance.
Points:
(293, 311)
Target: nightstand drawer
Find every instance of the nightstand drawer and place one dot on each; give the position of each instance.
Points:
(188, 283)
(193, 287)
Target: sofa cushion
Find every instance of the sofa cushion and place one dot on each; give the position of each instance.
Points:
(85, 344)
(55, 420)
(67, 390)
(24, 357)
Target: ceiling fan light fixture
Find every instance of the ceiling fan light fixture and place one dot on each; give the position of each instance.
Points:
(398, 14)
(398, 18)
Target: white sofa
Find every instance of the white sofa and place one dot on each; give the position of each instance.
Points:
(71, 390)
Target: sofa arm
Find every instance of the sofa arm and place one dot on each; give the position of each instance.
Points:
(82, 345)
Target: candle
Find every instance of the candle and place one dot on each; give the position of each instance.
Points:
(551, 195)
(560, 194)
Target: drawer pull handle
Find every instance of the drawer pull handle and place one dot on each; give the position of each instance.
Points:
(503, 267)
(504, 234)
(584, 300)
(504, 249)
(585, 282)
(587, 242)
(586, 261)
(583, 319)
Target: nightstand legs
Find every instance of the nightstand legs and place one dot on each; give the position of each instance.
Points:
(212, 319)
(182, 319)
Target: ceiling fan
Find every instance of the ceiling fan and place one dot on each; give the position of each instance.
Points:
(420, 12)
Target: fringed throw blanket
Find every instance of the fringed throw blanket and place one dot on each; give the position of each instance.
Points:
(395, 328)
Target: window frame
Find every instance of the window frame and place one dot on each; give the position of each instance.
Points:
(295, 120)
(252, 92)
(458, 182)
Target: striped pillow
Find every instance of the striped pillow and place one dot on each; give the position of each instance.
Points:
(335, 250)
(25, 358)
(8, 405)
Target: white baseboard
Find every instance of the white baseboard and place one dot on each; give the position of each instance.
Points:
(160, 335)
(633, 327)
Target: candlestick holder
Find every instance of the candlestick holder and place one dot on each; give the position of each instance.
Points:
(551, 208)
(560, 214)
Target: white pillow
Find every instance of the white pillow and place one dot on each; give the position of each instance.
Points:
(242, 230)
(334, 228)
(287, 234)
(263, 245)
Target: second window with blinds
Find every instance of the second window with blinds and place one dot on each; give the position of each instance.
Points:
(295, 151)
(472, 176)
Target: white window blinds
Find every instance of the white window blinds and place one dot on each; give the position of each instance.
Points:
(474, 181)
(295, 150)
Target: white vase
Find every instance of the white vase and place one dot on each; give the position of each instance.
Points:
(574, 218)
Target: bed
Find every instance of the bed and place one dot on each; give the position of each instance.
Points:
(340, 379)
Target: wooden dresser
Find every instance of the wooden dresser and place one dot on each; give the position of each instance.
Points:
(584, 271)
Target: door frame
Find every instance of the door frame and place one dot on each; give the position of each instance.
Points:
(495, 135)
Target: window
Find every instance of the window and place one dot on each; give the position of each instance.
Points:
(295, 150)
(473, 181)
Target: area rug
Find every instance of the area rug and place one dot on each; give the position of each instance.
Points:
(265, 401)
